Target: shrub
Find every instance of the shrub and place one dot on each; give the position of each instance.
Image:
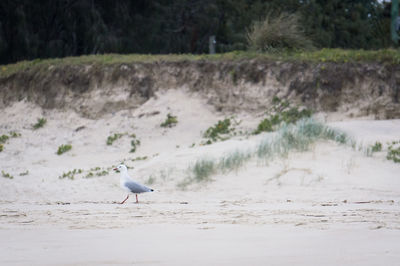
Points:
(6, 175)
(264, 126)
(24, 173)
(3, 138)
(112, 138)
(40, 123)
(394, 152)
(14, 134)
(71, 174)
(170, 121)
(216, 132)
(134, 143)
(376, 147)
(282, 114)
(283, 31)
(63, 148)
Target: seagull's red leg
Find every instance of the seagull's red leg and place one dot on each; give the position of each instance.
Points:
(125, 199)
(137, 199)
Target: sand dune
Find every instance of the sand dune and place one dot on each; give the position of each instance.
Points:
(332, 205)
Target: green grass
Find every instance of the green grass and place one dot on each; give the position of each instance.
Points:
(220, 131)
(390, 56)
(3, 138)
(71, 174)
(134, 143)
(393, 153)
(40, 123)
(64, 148)
(280, 112)
(112, 138)
(24, 173)
(377, 147)
(299, 137)
(15, 134)
(290, 137)
(170, 121)
(6, 175)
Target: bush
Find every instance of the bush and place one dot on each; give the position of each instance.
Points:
(223, 127)
(278, 32)
(64, 148)
(111, 139)
(376, 147)
(170, 121)
(283, 113)
(40, 123)
(6, 175)
(394, 152)
(3, 138)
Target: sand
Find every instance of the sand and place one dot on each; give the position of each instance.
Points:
(332, 205)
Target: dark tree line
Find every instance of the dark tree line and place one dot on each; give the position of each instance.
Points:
(56, 28)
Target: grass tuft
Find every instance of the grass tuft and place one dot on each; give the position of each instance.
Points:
(277, 32)
(7, 175)
(170, 121)
(63, 148)
(112, 138)
(290, 137)
(394, 152)
(40, 123)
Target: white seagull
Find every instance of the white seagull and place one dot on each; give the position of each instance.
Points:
(128, 184)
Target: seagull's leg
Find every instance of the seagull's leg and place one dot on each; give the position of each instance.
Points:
(125, 199)
(137, 199)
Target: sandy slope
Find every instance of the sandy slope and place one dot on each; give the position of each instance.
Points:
(331, 205)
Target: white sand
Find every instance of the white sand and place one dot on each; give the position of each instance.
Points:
(330, 206)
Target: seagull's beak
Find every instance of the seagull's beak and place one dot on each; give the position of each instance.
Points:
(115, 169)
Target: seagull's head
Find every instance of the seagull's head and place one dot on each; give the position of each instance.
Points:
(121, 168)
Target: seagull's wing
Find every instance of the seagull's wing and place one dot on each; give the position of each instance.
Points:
(136, 187)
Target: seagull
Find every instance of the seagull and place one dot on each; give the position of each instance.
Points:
(128, 184)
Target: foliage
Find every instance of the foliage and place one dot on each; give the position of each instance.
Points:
(15, 134)
(220, 131)
(283, 31)
(63, 148)
(202, 169)
(170, 121)
(24, 173)
(44, 29)
(134, 143)
(6, 175)
(376, 147)
(291, 137)
(112, 138)
(3, 138)
(282, 112)
(71, 174)
(394, 152)
(388, 56)
(40, 123)
(1, 147)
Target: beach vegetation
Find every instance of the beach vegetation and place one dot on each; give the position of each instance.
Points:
(170, 121)
(39, 123)
(64, 148)
(6, 175)
(393, 153)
